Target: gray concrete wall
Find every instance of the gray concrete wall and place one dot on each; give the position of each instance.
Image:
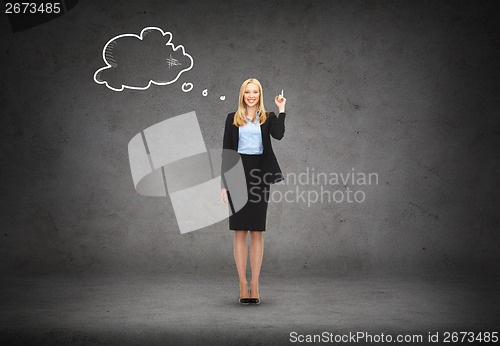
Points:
(409, 91)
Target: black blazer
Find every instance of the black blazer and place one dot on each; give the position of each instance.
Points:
(273, 126)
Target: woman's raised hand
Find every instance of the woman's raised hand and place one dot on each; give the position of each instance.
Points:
(280, 101)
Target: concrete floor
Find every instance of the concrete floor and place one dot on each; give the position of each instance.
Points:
(195, 308)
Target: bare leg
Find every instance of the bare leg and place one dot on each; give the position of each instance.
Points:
(256, 254)
(240, 257)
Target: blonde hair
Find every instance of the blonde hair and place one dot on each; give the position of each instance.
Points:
(240, 117)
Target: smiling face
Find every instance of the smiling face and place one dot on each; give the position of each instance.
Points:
(252, 95)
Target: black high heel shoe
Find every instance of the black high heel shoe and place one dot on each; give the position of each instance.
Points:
(243, 301)
(255, 301)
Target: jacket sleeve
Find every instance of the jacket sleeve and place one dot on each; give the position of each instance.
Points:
(277, 125)
(227, 143)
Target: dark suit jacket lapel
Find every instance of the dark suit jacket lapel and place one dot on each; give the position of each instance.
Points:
(236, 136)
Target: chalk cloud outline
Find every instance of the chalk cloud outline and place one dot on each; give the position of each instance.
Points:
(140, 37)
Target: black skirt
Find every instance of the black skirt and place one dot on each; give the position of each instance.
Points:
(252, 217)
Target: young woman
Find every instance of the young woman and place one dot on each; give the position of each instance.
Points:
(247, 132)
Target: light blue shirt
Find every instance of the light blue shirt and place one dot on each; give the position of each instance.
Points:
(250, 138)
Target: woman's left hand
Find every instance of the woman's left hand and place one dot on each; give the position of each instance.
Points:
(280, 101)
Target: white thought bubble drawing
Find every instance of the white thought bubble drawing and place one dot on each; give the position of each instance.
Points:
(187, 87)
(137, 61)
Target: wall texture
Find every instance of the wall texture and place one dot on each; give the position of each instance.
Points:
(407, 91)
